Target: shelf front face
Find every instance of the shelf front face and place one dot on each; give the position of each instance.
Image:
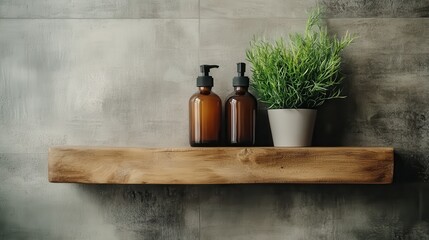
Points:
(335, 165)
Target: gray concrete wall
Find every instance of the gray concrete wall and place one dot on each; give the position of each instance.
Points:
(95, 73)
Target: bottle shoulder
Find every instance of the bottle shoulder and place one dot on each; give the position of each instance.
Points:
(210, 96)
(214, 95)
(247, 96)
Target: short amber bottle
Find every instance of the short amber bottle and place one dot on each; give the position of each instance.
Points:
(240, 112)
(205, 112)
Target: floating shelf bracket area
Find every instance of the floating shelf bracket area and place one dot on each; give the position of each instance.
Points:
(222, 165)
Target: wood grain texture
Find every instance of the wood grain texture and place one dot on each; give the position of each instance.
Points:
(220, 165)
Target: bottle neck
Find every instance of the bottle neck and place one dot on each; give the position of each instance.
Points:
(205, 90)
(240, 90)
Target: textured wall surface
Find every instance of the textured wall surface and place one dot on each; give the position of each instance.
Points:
(120, 72)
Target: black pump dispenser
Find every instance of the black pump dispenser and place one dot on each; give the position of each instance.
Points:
(240, 112)
(241, 80)
(205, 112)
(205, 80)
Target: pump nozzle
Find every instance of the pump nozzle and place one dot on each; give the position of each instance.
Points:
(241, 68)
(205, 69)
(240, 80)
(205, 80)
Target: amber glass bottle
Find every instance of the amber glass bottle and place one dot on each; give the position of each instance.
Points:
(205, 112)
(240, 112)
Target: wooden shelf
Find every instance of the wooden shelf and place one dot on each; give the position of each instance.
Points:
(337, 165)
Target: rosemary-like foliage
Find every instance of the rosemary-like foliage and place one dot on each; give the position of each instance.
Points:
(301, 73)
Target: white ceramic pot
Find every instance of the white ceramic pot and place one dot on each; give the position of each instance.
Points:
(292, 127)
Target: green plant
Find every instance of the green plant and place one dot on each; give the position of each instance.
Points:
(301, 73)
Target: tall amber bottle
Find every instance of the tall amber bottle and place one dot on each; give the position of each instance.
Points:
(240, 112)
(205, 112)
